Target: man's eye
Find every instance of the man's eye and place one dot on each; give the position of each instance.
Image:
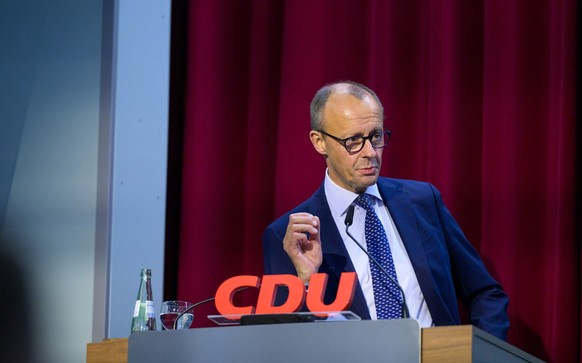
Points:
(377, 136)
(355, 140)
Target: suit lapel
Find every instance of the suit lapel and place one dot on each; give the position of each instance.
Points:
(405, 219)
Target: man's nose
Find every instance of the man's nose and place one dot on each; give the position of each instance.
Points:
(368, 149)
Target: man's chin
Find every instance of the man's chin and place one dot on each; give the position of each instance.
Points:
(366, 182)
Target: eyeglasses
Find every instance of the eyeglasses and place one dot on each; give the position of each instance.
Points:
(355, 144)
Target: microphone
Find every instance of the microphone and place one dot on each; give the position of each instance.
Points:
(348, 222)
(191, 307)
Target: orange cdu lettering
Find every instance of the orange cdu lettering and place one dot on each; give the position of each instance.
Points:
(226, 291)
(343, 299)
(266, 299)
(295, 299)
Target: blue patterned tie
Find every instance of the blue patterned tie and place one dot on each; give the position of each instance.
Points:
(386, 293)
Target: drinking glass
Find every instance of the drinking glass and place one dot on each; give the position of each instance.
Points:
(171, 310)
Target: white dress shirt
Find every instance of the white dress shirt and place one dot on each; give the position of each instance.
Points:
(339, 200)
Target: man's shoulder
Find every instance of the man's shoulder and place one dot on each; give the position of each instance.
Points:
(404, 184)
(413, 191)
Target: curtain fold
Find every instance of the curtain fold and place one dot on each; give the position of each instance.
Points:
(480, 97)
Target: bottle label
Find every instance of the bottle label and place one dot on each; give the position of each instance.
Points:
(150, 311)
(136, 309)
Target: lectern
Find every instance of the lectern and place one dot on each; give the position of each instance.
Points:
(360, 341)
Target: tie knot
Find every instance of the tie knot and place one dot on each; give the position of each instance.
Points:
(363, 200)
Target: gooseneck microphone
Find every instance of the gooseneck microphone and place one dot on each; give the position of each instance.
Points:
(191, 307)
(348, 222)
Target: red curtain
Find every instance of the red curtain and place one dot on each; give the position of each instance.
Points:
(480, 96)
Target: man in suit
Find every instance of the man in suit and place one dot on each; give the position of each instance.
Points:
(423, 248)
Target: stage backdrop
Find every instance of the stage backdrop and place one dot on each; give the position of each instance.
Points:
(479, 95)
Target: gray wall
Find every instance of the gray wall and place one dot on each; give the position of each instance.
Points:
(83, 130)
(140, 131)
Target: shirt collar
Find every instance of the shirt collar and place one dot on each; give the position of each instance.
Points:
(339, 199)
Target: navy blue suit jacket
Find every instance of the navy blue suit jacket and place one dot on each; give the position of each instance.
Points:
(447, 267)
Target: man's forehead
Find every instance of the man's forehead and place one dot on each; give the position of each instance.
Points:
(347, 103)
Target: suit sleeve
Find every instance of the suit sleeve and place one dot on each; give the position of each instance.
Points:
(480, 293)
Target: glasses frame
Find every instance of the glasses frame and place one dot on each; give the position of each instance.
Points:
(387, 134)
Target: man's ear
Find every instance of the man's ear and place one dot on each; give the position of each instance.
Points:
(317, 142)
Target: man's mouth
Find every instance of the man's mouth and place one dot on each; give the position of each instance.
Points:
(371, 170)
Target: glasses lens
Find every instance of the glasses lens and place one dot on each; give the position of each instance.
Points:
(378, 140)
(354, 144)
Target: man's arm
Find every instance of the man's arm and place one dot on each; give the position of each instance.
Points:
(300, 243)
(480, 293)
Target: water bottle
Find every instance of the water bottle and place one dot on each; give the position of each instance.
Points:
(144, 316)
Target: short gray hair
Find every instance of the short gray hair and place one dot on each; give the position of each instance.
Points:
(320, 99)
